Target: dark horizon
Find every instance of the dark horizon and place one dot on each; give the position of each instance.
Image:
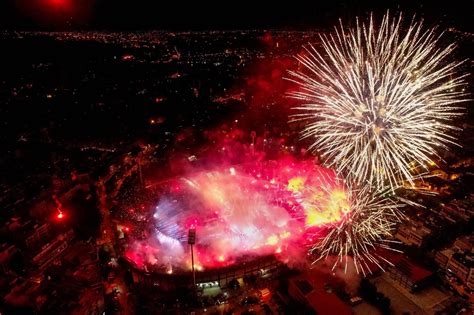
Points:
(143, 15)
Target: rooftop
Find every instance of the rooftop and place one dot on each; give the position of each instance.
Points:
(467, 259)
(312, 285)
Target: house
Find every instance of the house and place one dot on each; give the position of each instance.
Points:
(314, 290)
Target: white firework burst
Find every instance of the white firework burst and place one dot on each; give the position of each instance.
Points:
(379, 100)
(369, 223)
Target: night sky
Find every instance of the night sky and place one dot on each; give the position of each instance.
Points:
(180, 15)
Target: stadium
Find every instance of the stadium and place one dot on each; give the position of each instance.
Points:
(247, 219)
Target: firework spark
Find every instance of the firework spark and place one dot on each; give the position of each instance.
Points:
(379, 100)
(368, 224)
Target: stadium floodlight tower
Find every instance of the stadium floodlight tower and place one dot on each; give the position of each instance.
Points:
(191, 242)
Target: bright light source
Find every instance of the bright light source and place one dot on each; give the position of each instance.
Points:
(59, 3)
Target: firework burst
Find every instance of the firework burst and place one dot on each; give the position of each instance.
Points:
(368, 224)
(379, 100)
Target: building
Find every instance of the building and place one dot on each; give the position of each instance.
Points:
(52, 251)
(23, 293)
(165, 281)
(443, 257)
(458, 210)
(314, 290)
(462, 265)
(410, 275)
(413, 233)
(401, 269)
(90, 302)
(459, 260)
(6, 254)
(465, 243)
(40, 235)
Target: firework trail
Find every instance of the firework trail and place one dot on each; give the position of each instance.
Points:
(368, 224)
(379, 100)
(366, 220)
